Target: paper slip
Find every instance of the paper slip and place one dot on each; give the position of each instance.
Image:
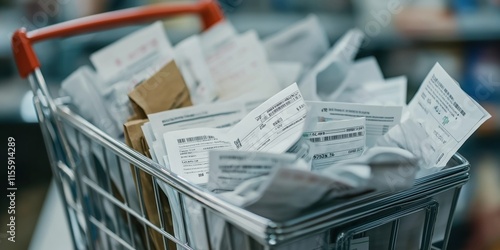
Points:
(141, 47)
(379, 119)
(288, 191)
(217, 36)
(328, 74)
(336, 140)
(188, 152)
(391, 91)
(217, 115)
(305, 42)
(361, 72)
(240, 67)
(303, 149)
(392, 168)
(272, 127)
(191, 62)
(228, 169)
(447, 115)
(286, 72)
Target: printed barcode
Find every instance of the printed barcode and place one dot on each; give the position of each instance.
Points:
(196, 138)
(283, 103)
(276, 110)
(336, 137)
(459, 108)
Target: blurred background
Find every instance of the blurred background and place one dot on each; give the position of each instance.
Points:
(462, 35)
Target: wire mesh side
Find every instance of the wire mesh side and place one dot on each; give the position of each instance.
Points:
(387, 223)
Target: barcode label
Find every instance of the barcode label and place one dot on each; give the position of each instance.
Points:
(283, 104)
(196, 138)
(459, 108)
(279, 108)
(336, 137)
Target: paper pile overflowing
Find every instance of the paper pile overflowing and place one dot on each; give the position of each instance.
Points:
(277, 125)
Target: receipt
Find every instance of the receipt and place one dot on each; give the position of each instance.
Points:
(336, 140)
(288, 191)
(188, 152)
(274, 127)
(142, 47)
(228, 169)
(354, 79)
(304, 42)
(239, 67)
(286, 72)
(443, 115)
(391, 91)
(327, 76)
(191, 62)
(379, 119)
(217, 36)
(217, 115)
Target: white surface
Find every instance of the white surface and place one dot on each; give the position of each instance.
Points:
(52, 230)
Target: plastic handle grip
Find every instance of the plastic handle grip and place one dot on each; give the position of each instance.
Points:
(22, 41)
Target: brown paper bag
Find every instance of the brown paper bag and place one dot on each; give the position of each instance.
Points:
(165, 90)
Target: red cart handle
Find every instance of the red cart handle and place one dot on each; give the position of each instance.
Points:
(22, 41)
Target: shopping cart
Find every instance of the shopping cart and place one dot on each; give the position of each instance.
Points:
(91, 172)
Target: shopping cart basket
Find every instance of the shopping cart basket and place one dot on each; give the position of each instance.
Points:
(104, 213)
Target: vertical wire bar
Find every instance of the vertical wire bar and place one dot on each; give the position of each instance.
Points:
(228, 234)
(394, 234)
(205, 219)
(107, 165)
(450, 217)
(99, 199)
(127, 203)
(159, 208)
(428, 230)
(141, 203)
(183, 216)
(91, 208)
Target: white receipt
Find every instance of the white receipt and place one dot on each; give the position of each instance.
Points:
(239, 67)
(305, 42)
(379, 119)
(191, 62)
(272, 127)
(217, 115)
(188, 153)
(327, 76)
(216, 36)
(362, 71)
(286, 72)
(288, 191)
(228, 169)
(445, 113)
(336, 140)
(144, 46)
(391, 91)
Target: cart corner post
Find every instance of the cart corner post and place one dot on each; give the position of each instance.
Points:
(24, 55)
